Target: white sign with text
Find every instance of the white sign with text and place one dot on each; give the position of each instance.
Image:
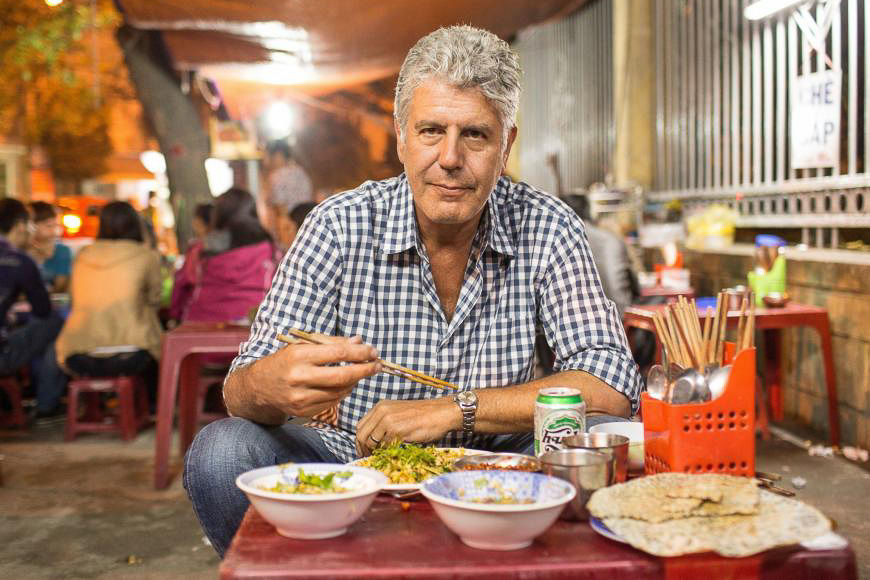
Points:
(815, 120)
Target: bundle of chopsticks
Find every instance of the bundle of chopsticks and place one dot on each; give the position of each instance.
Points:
(689, 345)
(388, 367)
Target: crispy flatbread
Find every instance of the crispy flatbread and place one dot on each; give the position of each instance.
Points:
(780, 521)
(668, 496)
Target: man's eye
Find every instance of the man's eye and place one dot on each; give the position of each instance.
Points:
(429, 131)
(475, 134)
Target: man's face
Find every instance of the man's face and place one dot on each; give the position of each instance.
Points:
(275, 160)
(19, 235)
(199, 227)
(452, 151)
(47, 229)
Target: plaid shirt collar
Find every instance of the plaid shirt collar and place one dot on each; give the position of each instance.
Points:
(402, 234)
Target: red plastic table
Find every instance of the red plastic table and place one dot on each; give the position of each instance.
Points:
(667, 292)
(771, 321)
(389, 542)
(180, 367)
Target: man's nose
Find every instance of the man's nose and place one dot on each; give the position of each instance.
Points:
(450, 154)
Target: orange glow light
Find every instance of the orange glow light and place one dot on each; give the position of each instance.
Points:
(72, 223)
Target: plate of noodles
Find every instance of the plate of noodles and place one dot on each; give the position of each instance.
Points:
(407, 465)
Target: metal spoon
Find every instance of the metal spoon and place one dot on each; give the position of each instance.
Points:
(701, 394)
(656, 382)
(674, 371)
(683, 387)
(717, 381)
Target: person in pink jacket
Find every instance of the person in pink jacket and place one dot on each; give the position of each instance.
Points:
(185, 277)
(236, 263)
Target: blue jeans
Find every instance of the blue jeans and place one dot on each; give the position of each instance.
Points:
(33, 343)
(225, 449)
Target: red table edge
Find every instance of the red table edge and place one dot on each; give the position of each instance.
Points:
(678, 568)
(773, 319)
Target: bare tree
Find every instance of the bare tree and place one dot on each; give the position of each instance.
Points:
(175, 120)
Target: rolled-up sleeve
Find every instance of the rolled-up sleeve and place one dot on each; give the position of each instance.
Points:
(580, 323)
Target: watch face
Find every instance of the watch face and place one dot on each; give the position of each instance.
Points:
(465, 397)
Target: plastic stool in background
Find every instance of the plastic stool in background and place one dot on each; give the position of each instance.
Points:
(211, 376)
(15, 417)
(132, 406)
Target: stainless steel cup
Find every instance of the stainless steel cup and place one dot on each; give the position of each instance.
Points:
(616, 446)
(586, 470)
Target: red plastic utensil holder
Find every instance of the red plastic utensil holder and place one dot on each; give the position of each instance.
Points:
(713, 437)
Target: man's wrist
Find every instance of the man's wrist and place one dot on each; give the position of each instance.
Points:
(455, 414)
(467, 403)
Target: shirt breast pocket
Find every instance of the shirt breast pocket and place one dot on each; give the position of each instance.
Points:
(508, 355)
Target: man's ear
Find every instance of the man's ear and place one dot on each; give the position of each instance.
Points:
(400, 142)
(512, 135)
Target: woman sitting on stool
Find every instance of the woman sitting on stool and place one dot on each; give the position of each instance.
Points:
(113, 328)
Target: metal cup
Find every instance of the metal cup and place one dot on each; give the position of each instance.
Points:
(586, 470)
(616, 446)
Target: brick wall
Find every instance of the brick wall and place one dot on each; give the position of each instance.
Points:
(844, 290)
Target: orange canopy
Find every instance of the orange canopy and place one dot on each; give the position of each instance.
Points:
(317, 43)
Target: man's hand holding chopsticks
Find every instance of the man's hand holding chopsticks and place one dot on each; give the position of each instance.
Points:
(300, 380)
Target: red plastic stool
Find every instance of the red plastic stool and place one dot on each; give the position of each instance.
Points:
(132, 406)
(15, 417)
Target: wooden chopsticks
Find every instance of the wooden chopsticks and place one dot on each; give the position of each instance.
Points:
(689, 345)
(746, 330)
(389, 368)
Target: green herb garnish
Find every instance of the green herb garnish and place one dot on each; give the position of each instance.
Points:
(410, 463)
(312, 484)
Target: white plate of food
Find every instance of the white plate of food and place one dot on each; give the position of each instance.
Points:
(406, 465)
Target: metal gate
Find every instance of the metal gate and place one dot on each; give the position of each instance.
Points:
(567, 104)
(722, 114)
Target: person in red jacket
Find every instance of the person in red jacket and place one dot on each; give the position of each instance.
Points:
(236, 264)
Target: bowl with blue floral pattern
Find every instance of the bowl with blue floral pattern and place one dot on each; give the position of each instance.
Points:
(495, 509)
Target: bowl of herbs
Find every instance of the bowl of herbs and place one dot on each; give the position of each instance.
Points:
(311, 501)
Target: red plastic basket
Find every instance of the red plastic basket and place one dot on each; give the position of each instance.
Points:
(713, 437)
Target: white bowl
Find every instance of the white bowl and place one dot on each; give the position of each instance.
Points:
(494, 526)
(311, 516)
(634, 431)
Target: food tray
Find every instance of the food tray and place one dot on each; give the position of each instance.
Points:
(713, 437)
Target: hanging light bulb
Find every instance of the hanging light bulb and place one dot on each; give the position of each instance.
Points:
(279, 120)
(53, 3)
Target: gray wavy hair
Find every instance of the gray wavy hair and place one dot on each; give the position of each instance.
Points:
(465, 57)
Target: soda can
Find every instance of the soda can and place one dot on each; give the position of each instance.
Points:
(559, 412)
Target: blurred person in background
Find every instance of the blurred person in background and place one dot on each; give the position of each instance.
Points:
(54, 258)
(186, 275)
(611, 257)
(113, 328)
(288, 185)
(291, 225)
(236, 263)
(618, 275)
(615, 270)
(33, 340)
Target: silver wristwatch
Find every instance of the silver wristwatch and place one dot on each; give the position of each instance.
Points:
(467, 402)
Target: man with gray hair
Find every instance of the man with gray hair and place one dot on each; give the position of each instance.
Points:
(447, 269)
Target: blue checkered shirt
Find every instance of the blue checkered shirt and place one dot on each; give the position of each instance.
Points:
(358, 267)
